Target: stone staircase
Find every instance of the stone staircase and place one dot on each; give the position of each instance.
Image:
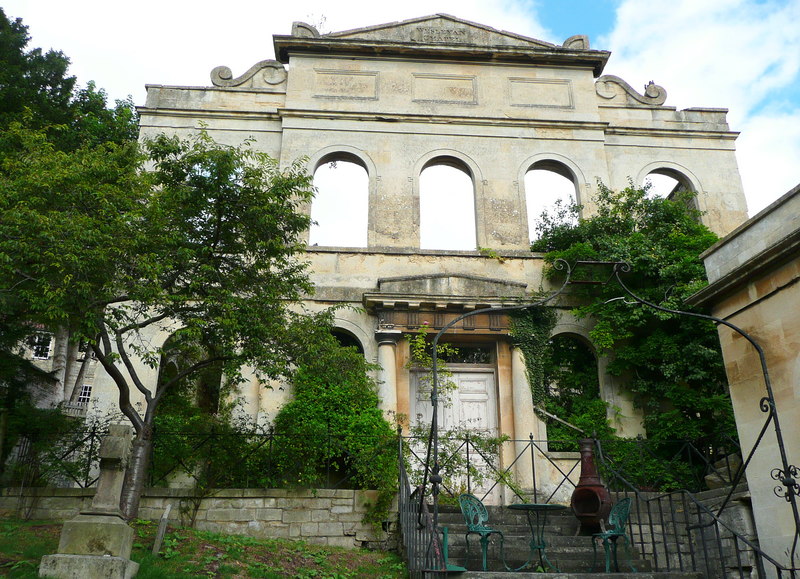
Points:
(571, 555)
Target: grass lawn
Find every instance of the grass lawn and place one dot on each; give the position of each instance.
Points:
(191, 553)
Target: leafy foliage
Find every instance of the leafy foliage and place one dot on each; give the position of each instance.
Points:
(334, 422)
(43, 115)
(35, 90)
(672, 364)
(202, 245)
(468, 460)
(573, 393)
(31, 79)
(420, 357)
(530, 331)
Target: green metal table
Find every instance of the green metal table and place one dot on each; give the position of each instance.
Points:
(537, 520)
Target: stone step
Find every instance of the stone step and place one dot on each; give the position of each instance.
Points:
(577, 575)
(564, 562)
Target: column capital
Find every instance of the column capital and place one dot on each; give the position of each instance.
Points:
(386, 336)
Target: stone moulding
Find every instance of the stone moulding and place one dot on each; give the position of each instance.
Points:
(264, 74)
(608, 87)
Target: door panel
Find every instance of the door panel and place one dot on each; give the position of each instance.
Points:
(471, 405)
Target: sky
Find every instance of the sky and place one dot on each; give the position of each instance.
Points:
(743, 55)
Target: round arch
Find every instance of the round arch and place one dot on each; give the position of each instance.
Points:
(354, 330)
(670, 169)
(558, 164)
(344, 153)
(363, 208)
(460, 161)
(452, 157)
(581, 336)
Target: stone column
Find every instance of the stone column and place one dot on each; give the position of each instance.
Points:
(387, 375)
(525, 420)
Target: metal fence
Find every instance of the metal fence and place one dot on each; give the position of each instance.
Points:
(676, 530)
(684, 531)
(68, 461)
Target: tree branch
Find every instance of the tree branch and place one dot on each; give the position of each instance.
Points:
(125, 405)
(131, 370)
(180, 376)
(142, 324)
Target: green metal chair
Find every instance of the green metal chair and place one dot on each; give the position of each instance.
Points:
(476, 518)
(617, 519)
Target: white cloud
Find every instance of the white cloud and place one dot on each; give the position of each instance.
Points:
(770, 144)
(179, 42)
(738, 54)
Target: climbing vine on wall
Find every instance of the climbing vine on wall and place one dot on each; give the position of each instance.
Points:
(530, 332)
(674, 362)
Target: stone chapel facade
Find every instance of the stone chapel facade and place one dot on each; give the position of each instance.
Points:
(397, 98)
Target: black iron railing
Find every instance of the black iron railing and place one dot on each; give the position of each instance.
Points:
(421, 545)
(679, 531)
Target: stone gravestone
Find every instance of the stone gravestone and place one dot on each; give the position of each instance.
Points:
(97, 543)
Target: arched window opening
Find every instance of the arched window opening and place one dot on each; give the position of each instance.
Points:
(340, 208)
(347, 340)
(446, 206)
(198, 392)
(573, 393)
(549, 194)
(665, 183)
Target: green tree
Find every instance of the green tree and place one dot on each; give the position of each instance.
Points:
(32, 79)
(36, 92)
(203, 245)
(35, 89)
(333, 425)
(673, 364)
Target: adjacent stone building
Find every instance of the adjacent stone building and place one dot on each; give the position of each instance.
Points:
(753, 276)
(397, 99)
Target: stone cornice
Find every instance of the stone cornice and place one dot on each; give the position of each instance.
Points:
(389, 301)
(471, 254)
(772, 257)
(209, 114)
(442, 119)
(670, 133)
(555, 56)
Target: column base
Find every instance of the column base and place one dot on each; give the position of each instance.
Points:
(82, 566)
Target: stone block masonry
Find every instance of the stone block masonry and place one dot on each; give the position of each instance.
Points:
(323, 517)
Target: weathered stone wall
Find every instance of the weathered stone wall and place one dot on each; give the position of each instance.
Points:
(754, 274)
(322, 517)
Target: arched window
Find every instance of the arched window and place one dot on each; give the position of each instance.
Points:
(446, 205)
(573, 391)
(340, 208)
(199, 391)
(549, 188)
(666, 182)
(347, 340)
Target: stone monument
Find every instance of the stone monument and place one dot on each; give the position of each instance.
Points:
(98, 542)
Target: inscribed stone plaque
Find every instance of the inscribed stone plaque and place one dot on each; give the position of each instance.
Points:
(435, 34)
(445, 88)
(541, 92)
(346, 84)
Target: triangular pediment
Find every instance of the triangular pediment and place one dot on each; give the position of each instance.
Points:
(439, 36)
(440, 29)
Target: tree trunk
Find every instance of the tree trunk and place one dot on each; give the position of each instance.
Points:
(136, 473)
(3, 437)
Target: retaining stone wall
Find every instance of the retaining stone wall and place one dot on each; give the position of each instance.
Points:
(323, 517)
